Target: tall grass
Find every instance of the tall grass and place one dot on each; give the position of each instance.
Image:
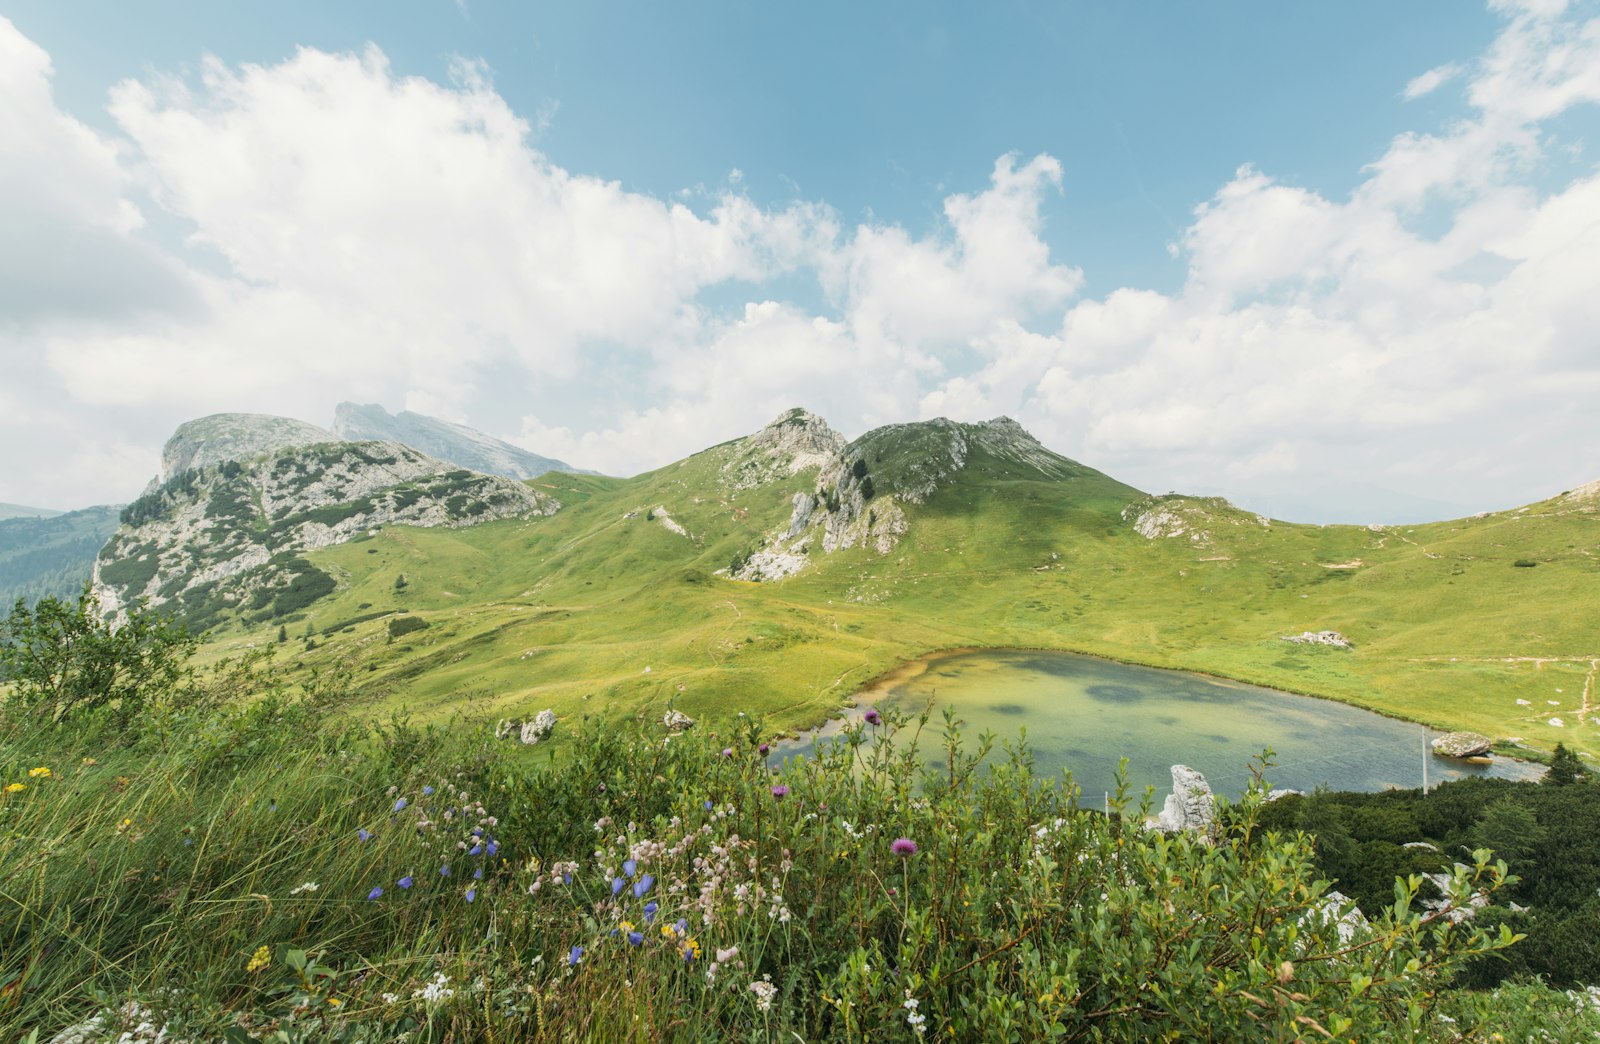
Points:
(266, 871)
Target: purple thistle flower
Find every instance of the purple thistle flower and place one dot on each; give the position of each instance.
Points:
(871, 717)
(727, 752)
(472, 893)
(399, 804)
(575, 958)
(903, 847)
(764, 748)
(427, 791)
(617, 885)
(364, 834)
(374, 894)
(780, 790)
(405, 882)
(629, 866)
(635, 938)
(642, 885)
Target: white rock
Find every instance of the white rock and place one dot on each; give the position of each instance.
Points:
(1191, 805)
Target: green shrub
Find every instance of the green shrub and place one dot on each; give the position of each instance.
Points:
(403, 625)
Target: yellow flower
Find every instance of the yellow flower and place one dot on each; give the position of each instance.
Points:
(627, 926)
(124, 825)
(16, 788)
(334, 1002)
(39, 773)
(258, 960)
(691, 948)
(89, 761)
(668, 931)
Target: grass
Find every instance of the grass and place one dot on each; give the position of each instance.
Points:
(591, 608)
(261, 869)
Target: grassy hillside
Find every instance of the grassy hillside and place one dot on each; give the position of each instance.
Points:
(605, 605)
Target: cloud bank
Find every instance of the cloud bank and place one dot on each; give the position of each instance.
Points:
(281, 237)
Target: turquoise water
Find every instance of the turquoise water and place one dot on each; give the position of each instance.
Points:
(1083, 714)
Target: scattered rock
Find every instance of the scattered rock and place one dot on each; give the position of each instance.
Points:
(1462, 745)
(1191, 805)
(1337, 907)
(1421, 844)
(677, 721)
(528, 732)
(1444, 904)
(1283, 792)
(1333, 638)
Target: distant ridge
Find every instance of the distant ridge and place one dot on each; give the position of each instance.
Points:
(22, 511)
(454, 443)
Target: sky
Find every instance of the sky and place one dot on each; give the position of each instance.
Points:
(1336, 262)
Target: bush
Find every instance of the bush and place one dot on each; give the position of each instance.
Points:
(403, 625)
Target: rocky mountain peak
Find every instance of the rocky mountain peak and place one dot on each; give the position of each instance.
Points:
(443, 440)
(221, 437)
(796, 441)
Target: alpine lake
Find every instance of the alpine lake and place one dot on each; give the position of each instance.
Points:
(1083, 714)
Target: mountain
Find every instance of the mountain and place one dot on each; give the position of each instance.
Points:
(240, 497)
(776, 573)
(51, 555)
(443, 440)
(21, 511)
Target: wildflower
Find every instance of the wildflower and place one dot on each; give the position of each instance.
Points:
(89, 762)
(405, 882)
(436, 991)
(334, 1002)
(691, 950)
(364, 834)
(472, 893)
(903, 847)
(708, 804)
(475, 850)
(764, 991)
(39, 773)
(724, 956)
(575, 958)
(871, 717)
(629, 866)
(16, 788)
(308, 886)
(258, 960)
(764, 749)
(682, 927)
(493, 849)
(617, 885)
(727, 752)
(399, 804)
(635, 939)
(374, 894)
(124, 825)
(642, 885)
(668, 932)
(650, 911)
(780, 790)
(444, 871)
(477, 875)
(427, 791)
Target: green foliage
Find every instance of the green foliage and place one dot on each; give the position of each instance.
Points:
(1565, 768)
(213, 871)
(404, 625)
(62, 659)
(1510, 829)
(40, 557)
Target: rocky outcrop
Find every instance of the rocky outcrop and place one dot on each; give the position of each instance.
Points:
(1331, 638)
(1191, 806)
(209, 441)
(527, 732)
(1462, 745)
(227, 535)
(1170, 516)
(1337, 909)
(442, 440)
(797, 441)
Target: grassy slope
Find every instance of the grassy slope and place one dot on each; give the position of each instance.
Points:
(568, 612)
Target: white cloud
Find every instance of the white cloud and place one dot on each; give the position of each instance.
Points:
(387, 238)
(1431, 80)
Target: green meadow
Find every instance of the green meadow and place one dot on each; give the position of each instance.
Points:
(602, 608)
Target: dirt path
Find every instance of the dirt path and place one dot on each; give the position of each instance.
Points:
(1589, 690)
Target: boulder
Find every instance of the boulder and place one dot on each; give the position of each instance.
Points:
(677, 721)
(529, 732)
(1191, 805)
(1462, 745)
(1333, 638)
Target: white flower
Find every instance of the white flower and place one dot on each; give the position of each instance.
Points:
(435, 992)
(309, 886)
(764, 991)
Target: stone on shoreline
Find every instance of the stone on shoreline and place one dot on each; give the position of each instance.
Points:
(1462, 745)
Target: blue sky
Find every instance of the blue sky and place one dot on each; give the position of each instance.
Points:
(1170, 267)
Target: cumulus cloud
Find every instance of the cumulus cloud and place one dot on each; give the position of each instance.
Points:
(354, 233)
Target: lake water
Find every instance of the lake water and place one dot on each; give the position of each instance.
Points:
(1082, 714)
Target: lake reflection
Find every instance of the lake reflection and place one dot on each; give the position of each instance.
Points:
(1083, 714)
